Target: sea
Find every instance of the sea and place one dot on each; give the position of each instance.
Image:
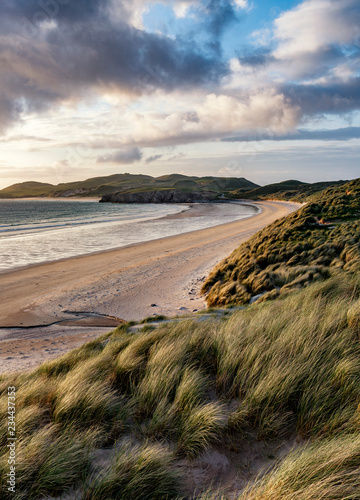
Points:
(34, 231)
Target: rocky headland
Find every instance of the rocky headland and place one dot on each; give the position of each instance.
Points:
(163, 196)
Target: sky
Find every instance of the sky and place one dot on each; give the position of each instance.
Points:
(267, 90)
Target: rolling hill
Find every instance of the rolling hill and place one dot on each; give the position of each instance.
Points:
(128, 183)
(287, 190)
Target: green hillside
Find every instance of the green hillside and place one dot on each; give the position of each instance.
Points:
(127, 183)
(308, 245)
(27, 189)
(286, 190)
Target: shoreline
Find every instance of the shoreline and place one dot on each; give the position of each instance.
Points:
(190, 210)
(122, 283)
(54, 198)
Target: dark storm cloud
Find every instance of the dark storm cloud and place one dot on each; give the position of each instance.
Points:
(37, 11)
(337, 97)
(56, 50)
(9, 111)
(256, 58)
(220, 15)
(124, 156)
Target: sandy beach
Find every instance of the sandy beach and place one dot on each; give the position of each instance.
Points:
(48, 309)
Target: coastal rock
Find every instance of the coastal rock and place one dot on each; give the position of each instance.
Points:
(165, 196)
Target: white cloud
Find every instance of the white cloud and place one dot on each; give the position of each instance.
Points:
(314, 43)
(242, 4)
(314, 25)
(214, 117)
(262, 37)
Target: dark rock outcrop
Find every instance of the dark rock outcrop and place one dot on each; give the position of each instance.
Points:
(165, 196)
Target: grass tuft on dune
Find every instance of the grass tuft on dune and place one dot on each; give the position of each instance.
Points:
(153, 399)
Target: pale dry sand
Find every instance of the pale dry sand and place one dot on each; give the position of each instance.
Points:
(123, 283)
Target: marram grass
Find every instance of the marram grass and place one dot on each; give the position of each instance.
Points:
(283, 368)
(320, 471)
(137, 472)
(309, 245)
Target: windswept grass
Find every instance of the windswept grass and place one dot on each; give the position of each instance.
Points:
(49, 462)
(201, 427)
(137, 472)
(320, 239)
(68, 361)
(325, 470)
(286, 368)
(81, 403)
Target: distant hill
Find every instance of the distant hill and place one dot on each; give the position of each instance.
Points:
(25, 189)
(287, 190)
(130, 184)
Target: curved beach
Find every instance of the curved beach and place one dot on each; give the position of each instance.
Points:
(42, 305)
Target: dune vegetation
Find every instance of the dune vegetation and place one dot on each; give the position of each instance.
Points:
(309, 245)
(260, 402)
(127, 416)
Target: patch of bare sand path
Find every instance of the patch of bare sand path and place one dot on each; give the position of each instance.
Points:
(123, 283)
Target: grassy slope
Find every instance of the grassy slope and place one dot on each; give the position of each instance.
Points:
(310, 244)
(287, 190)
(99, 186)
(24, 189)
(151, 399)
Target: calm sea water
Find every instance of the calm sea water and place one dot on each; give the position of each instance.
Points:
(35, 231)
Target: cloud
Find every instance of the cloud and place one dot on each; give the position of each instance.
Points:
(124, 156)
(178, 156)
(310, 41)
(136, 8)
(30, 138)
(192, 118)
(151, 159)
(255, 58)
(311, 56)
(220, 15)
(329, 97)
(340, 134)
(216, 116)
(53, 52)
(314, 25)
